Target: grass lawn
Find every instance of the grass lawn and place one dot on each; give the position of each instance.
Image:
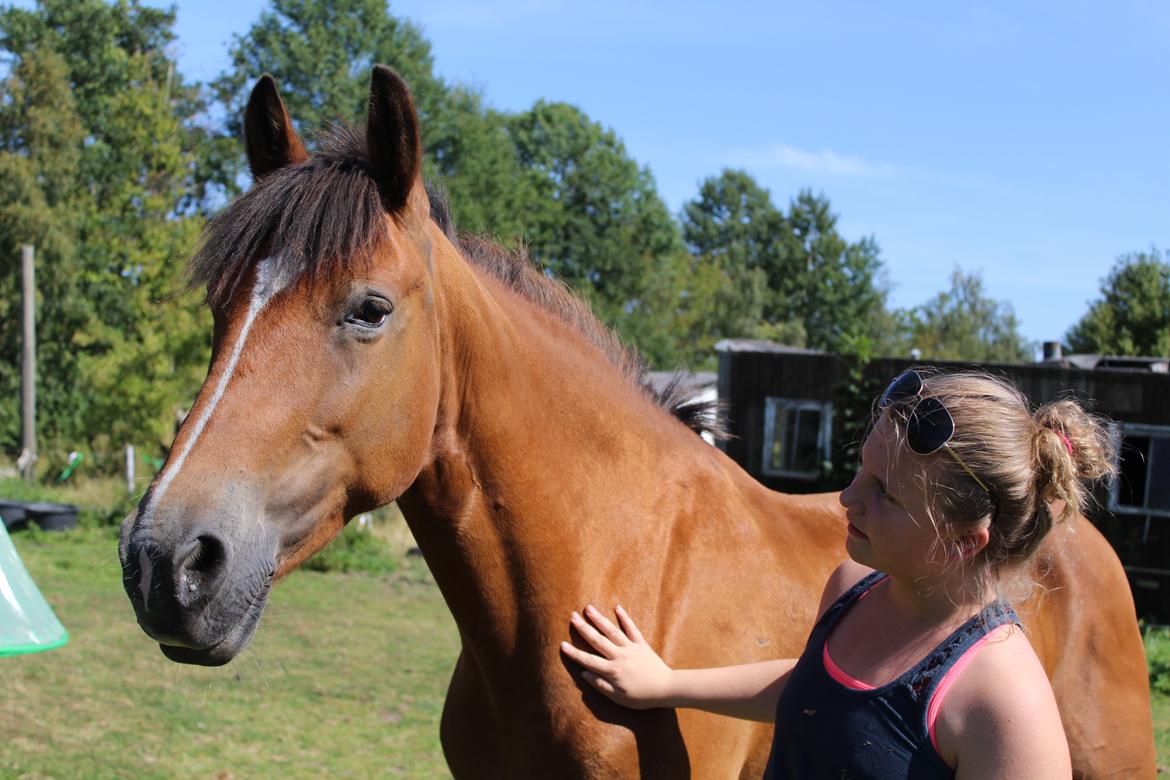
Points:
(1162, 732)
(345, 678)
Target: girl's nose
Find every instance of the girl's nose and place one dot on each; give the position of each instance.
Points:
(848, 497)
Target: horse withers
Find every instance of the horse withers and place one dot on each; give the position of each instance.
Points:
(364, 354)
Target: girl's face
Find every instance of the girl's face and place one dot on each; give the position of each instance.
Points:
(886, 505)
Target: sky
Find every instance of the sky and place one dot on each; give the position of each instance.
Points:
(1026, 141)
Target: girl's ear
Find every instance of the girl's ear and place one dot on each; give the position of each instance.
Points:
(970, 544)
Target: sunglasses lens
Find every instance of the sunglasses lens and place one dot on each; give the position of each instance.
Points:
(905, 386)
(929, 427)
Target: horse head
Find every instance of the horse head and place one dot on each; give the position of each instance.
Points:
(322, 393)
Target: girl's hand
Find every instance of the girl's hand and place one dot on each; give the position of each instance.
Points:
(627, 670)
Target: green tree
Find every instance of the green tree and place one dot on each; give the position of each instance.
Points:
(593, 217)
(472, 154)
(832, 286)
(680, 299)
(963, 323)
(99, 149)
(734, 232)
(40, 143)
(321, 55)
(548, 177)
(1132, 317)
(787, 276)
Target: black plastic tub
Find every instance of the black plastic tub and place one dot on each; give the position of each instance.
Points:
(15, 514)
(53, 517)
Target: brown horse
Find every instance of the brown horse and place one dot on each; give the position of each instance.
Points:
(362, 355)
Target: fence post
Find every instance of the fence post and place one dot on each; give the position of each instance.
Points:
(28, 366)
(129, 469)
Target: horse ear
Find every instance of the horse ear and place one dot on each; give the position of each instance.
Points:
(392, 137)
(268, 132)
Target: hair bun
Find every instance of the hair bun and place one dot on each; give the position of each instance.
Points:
(1047, 427)
(1071, 446)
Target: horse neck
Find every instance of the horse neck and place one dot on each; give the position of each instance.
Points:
(544, 456)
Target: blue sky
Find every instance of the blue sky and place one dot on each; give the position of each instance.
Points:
(1024, 140)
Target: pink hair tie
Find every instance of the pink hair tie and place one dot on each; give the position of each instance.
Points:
(1067, 443)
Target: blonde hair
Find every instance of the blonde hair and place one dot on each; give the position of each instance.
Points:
(1037, 466)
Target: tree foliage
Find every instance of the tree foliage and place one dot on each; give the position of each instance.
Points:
(963, 323)
(475, 160)
(736, 236)
(1132, 317)
(549, 177)
(834, 286)
(788, 276)
(321, 55)
(98, 150)
(109, 164)
(593, 217)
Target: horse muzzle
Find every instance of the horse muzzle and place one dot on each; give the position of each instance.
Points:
(195, 589)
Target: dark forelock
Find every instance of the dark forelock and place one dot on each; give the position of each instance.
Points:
(325, 213)
(316, 217)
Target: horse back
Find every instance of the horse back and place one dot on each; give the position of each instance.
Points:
(1080, 620)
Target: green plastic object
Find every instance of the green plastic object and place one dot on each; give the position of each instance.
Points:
(75, 459)
(27, 622)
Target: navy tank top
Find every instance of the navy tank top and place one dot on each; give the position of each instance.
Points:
(825, 728)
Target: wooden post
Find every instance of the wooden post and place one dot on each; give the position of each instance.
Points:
(129, 469)
(28, 366)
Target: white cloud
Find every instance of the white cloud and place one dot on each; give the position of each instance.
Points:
(823, 161)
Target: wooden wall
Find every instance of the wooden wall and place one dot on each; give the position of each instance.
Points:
(747, 379)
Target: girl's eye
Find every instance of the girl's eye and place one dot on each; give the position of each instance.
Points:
(371, 313)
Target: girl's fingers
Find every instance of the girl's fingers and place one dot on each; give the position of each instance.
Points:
(591, 634)
(629, 626)
(593, 663)
(600, 683)
(612, 632)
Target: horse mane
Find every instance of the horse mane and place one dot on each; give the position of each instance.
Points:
(326, 213)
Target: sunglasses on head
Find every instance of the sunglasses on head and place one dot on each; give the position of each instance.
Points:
(929, 425)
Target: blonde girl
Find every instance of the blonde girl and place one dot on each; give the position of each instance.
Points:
(917, 666)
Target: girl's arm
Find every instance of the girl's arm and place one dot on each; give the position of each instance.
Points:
(628, 671)
(1000, 720)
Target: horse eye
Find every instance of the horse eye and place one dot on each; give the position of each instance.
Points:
(371, 313)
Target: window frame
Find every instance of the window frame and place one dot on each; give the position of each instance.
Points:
(774, 403)
(1118, 431)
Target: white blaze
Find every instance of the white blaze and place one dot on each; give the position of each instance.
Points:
(267, 285)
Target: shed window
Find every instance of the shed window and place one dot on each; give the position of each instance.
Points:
(1143, 471)
(796, 437)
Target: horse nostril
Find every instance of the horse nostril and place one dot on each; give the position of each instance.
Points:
(201, 568)
(207, 557)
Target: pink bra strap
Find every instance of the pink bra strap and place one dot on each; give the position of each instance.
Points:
(948, 680)
(836, 672)
(840, 675)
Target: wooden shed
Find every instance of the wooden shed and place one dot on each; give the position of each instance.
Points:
(797, 418)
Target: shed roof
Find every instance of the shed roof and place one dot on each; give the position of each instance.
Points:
(1087, 362)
